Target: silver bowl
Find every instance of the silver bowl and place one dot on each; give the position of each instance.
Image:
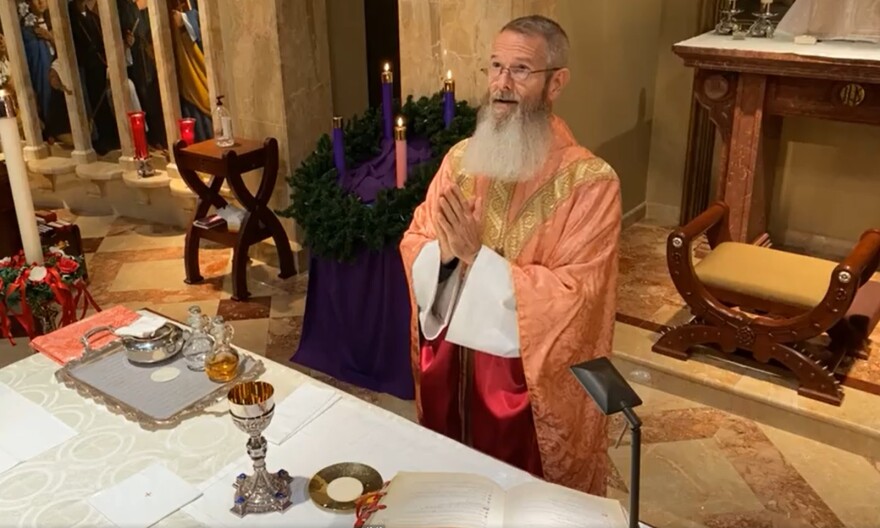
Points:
(166, 342)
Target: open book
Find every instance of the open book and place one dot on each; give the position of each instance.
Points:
(457, 500)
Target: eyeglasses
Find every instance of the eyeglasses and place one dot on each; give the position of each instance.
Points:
(517, 73)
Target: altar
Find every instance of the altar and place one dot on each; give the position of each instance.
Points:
(208, 451)
(749, 85)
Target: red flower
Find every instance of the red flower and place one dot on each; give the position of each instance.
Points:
(67, 265)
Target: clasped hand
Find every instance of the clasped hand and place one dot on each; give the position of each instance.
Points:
(455, 223)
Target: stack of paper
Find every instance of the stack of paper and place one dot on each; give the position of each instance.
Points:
(305, 404)
(28, 429)
(145, 498)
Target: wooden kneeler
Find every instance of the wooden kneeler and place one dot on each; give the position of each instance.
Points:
(770, 302)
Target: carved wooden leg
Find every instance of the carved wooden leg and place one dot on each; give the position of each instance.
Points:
(678, 341)
(240, 259)
(191, 255)
(815, 379)
(282, 244)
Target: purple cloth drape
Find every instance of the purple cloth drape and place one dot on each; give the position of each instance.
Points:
(357, 321)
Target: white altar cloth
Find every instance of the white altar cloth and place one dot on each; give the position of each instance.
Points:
(784, 44)
(52, 489)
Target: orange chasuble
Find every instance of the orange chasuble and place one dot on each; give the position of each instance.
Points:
(551, 244)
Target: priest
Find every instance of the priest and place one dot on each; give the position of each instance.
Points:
(512, 264)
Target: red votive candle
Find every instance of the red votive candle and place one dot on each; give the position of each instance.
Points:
(187, 130)
(138, 134)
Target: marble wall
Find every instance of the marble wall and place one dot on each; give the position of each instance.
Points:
(441, 35)
(276, 73)
(348, 57)
(610, 100)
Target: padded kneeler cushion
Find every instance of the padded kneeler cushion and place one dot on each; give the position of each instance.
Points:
(765, 273)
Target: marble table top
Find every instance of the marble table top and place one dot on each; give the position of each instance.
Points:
(784, 44)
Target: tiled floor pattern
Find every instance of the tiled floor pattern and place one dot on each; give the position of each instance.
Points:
(701, 467)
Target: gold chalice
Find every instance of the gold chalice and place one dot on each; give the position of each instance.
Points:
(252, 406)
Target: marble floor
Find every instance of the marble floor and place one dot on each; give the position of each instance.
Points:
(701, 466)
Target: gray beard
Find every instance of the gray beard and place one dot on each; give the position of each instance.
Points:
(511, 149)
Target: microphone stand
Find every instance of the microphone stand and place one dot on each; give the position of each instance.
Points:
(635, 427)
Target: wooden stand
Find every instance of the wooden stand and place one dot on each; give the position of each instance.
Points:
(259, 221)
(749, 86)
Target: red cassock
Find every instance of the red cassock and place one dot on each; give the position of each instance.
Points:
(480, 400)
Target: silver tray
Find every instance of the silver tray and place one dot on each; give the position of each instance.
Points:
(103, 375)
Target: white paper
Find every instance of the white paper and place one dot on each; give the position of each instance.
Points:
(302, 406)
(144, 326)
(7, 461)
(28, 429)
(546, 505)
(429, 500)
(145, 498)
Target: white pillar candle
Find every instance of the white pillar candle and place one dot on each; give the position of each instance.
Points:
(18, 181)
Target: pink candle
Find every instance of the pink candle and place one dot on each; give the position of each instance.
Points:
(400, 152)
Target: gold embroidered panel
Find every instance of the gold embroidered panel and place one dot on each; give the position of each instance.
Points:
(506, 237)
(541, 205)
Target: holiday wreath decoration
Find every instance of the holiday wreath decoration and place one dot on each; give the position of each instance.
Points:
(33, 294)
(339, 225)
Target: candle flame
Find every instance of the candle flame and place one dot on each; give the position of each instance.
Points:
(400, 121)
(449, 74)
(387, 67)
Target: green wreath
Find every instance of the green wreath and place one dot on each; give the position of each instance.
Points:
(336, 223)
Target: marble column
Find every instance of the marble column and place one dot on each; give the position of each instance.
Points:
(76, 108)
(212, 42)
(160, 26)
(441, 35)
(114, 47)
(276, 60)
(35, 147)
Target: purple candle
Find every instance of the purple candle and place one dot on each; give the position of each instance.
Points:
(338, 146)
(387, 87)
(448, 99)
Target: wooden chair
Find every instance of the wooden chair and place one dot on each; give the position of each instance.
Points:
(770, 302)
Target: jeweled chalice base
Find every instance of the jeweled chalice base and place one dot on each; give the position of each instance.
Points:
(262, 492)
(252, 407)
